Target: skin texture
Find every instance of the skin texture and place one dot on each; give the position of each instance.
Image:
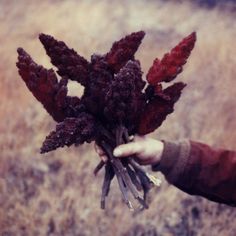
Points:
(148, 151)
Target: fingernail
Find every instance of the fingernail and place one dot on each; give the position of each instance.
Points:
(117, 152)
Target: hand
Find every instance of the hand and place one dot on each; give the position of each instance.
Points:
(148, 151)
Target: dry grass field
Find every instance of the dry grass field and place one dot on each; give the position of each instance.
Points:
(56, 194)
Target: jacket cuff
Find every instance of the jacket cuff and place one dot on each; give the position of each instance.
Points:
(174, 159)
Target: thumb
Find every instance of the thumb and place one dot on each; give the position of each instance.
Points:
(127, 149)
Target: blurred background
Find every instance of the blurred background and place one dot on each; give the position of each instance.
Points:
(57, 194)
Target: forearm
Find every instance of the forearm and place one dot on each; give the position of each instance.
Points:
(199, 169)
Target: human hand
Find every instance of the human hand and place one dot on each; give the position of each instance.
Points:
(147, 151)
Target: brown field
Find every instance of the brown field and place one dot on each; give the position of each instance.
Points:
(57, 194)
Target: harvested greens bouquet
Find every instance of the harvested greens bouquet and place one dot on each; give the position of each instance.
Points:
(116, 102)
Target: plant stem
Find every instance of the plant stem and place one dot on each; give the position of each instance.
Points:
(145, 182)
(133, 179)
(122, 172)
(109, 174)
(98, 167)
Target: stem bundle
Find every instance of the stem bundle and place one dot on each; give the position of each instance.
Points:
(130, 176)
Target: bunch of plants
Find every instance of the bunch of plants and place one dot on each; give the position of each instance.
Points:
(116, 103)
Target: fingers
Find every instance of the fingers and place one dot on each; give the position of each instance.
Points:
(124, 150)
(98, 150)
(104, 158)
(101, 153)
(127, 149)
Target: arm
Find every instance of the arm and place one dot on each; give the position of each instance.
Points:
(193, 167)
(199, 169)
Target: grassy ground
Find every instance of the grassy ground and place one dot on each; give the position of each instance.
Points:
(56, 194)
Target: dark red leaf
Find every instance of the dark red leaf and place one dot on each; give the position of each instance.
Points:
(158, 108)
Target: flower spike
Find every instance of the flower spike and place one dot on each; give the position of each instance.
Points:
(123, 50)
(68, 62)
(172, 63)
